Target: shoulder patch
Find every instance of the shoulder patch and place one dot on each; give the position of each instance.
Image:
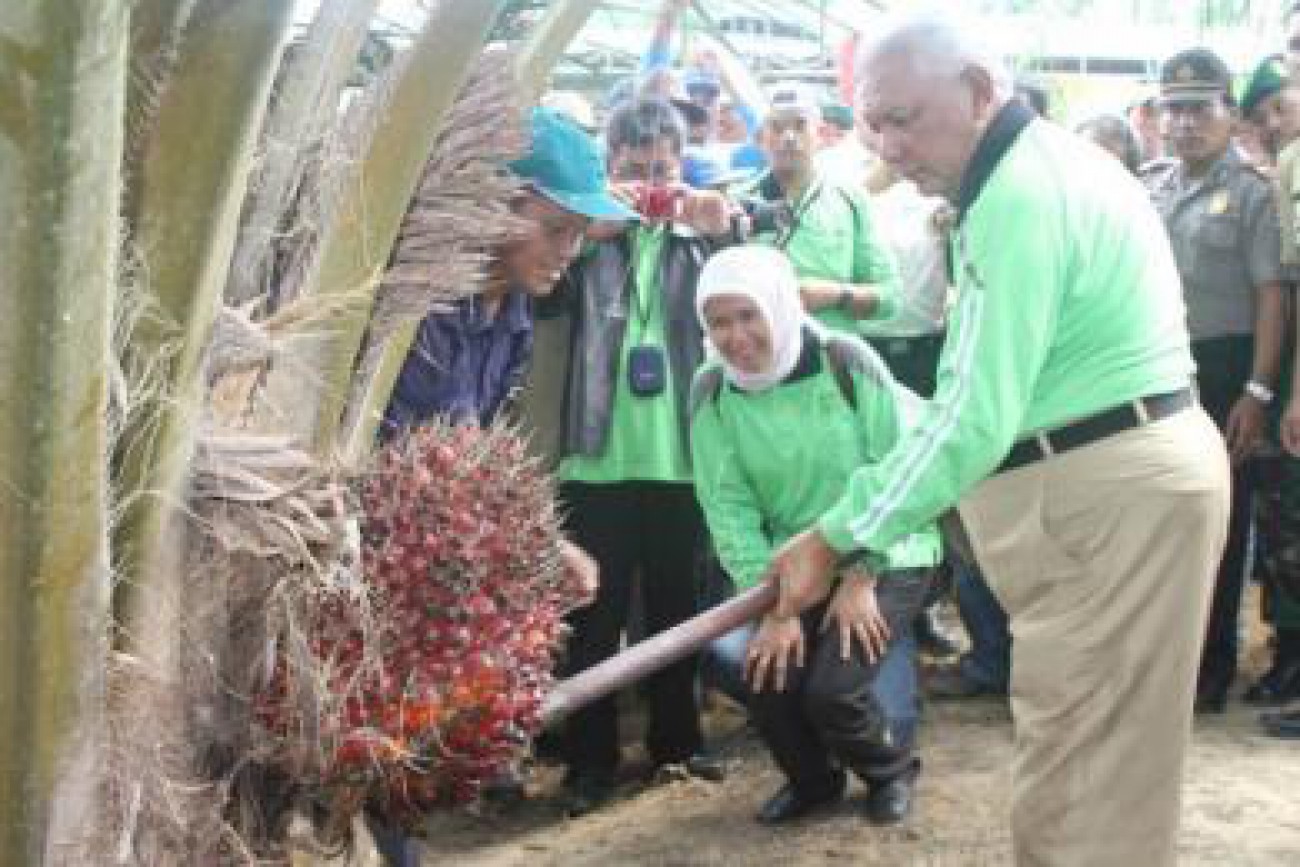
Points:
(705, 388)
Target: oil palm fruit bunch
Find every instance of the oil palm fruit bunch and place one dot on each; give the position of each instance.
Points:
(438, 688)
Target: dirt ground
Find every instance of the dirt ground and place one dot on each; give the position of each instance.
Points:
(1241, 808)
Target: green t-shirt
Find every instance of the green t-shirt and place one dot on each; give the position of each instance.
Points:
(834, 239)
(644, 441)
(769, 463)
(1068, 303)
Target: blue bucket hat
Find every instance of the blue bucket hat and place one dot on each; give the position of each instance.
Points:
(564, 165)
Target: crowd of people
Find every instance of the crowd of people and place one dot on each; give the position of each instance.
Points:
(932, 342)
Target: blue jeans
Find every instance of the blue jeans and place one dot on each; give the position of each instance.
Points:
(894, 687)
(988, 662)
(398, 849)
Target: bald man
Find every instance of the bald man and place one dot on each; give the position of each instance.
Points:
(1092, 486)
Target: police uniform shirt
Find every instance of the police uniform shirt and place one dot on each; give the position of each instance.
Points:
(1224, 231)
(1288, 194)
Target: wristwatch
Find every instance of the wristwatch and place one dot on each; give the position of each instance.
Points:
(846, 298)
(1259, 391)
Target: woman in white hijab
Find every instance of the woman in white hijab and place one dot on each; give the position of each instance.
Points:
(780, 417)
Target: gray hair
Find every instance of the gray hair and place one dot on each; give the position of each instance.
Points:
(935, 43)
(1118, 131)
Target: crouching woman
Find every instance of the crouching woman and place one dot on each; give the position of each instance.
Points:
(780, 419)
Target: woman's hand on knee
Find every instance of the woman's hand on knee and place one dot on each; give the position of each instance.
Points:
(776, 647)
(853, 610)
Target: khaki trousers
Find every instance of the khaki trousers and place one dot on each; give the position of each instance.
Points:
(1104, 559)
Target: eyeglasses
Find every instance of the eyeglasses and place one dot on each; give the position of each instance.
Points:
(658, 171)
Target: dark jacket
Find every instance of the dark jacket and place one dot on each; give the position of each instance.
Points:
(596, 292)
(462, 364)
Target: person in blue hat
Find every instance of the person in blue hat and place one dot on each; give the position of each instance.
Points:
(465, 362)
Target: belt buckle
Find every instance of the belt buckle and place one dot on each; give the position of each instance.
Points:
(1142, 411)
(1044, 444)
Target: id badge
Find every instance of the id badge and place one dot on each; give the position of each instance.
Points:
(647, 370)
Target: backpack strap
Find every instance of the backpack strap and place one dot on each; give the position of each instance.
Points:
(849, 355)
(705, 389)
(840, 356)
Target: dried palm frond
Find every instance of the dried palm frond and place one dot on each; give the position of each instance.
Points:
(460, 208)
(272, 538)
(459, 213)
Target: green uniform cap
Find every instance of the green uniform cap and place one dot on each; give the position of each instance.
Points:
(1267, 79)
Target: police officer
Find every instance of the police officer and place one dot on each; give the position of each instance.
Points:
(1223, 225)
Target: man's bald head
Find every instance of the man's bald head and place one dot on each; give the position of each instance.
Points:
(934, 45)
(929, 89)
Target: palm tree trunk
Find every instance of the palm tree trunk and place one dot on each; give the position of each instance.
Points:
(187, 192)
(62, 84)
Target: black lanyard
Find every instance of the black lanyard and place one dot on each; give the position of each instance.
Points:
(636, 300)
(786, 235)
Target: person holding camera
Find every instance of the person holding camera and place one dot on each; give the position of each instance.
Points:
(625, 470)
(846, 272)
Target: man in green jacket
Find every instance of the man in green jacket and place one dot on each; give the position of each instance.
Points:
(1093, 490)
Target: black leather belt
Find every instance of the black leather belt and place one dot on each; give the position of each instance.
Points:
(1135, 413)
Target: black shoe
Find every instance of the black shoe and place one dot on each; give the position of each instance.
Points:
(1211, 698)
(1284, 724)
(506, 791)
(707, 766)
(931, 638)
(951, 683)
(586, 791)
(889, 802)
(1212, 692)
(790, 803)
(1210, 703)
(1277, 686)
(702, 766)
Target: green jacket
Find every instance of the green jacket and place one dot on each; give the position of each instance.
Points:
(768, 464)
(1068, 304)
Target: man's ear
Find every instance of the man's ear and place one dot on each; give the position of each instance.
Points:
(983, 92)
(520, 199)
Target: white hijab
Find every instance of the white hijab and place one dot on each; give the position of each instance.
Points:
(765, 276)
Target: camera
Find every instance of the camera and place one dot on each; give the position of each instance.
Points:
(657, 202)
(768, 217)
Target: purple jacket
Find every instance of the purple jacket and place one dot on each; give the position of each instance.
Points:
(462, 364)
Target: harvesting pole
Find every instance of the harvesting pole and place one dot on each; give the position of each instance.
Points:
(656, 652)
